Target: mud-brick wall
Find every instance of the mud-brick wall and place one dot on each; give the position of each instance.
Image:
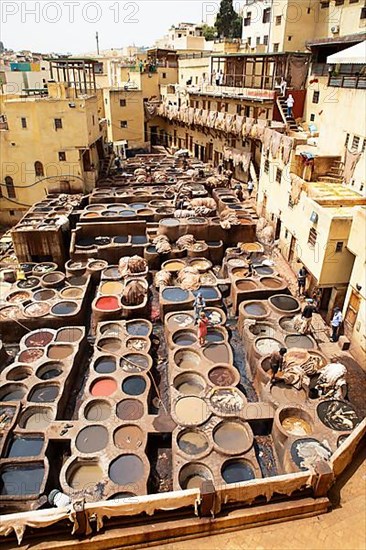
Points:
(40, 246)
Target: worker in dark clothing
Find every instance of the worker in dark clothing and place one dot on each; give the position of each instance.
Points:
(276, 362)
(301, 280)
(306, 316)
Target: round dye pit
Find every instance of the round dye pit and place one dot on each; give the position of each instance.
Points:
(255, 309)
(128, 437)
(287, 324)
(189, 383)
(19, 373)
(244, 286)
(233, 437)
(139, 239)
(180, 320)
(284, 302)
(50, 371)
(81, 476)
(223, 376)
(240, 272)
(262, 330)
(296, 426)
(130, 409)
(337, 415)
(193, 475)
(169, 222)
(53, 279)
(12, 392)
(126, 469)
(60, 351)
(18, 297)
(30, 282)
(214, 336)
(69, 335)
(111, 345)
(22, 446)
(9, 312)
(192, 442)
(271, 282)
(111, 273)
(234, 471)
(265, 346)
(186, 359)
(112, 288)
(201, 264)
(184, 338)
(138, 328)
(97, 265)
(38, 339)
(77, 281)
(44, 295)
(134, 362)
(217, 353)
(22, 480)
(208, 292)
(92, 439)
(307, 452)
(263, 270)
(107, 303)
(74, 292)
(98, 410)
(236, 262)
(299, 341)
(30, 355)
(36, 309)
(112, 329)
(137, 344)
(64, 308)
(134, 385)
(103, 387)
(227, 401)
(191, 410)
(44, 394)
(175, 294)
(105, 365)
(36, 419)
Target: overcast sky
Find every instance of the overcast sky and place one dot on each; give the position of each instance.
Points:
(70, 25)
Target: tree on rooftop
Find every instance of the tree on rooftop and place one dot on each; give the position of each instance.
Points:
(208, 32)
(228, 22)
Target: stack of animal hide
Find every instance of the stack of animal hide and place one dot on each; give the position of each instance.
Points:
(186, 241)
(163, 278)
(332, 381)
(228, 218)
(132, 265)
(215, 181)
(140, 172)
(299, 366)
(162, 244)
(160, 177)
(189, 278)
(207, 202)
(141, 179)
(134, 293)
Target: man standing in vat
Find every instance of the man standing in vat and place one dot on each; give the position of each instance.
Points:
(276, 363)
(202, 328)
(199, 306)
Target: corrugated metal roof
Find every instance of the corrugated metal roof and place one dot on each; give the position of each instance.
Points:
(355, 54)
(350, 38)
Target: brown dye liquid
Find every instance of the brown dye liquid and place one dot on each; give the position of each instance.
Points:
(217, 353)
(92, 439)
(128, 437)
(186, 360)
(190, 388)
(98, 411)
(193, 443)
(296, 426)
(271, 283)
(221, 376)
(112, 345)
(246, 285)
(174, 266)
(36, 309)
(72, 293)
(38, 421)
(231, 436)
(201, 265)
(191, 410)
(39, 339)
(126, 469)
(130, 409)
(70, 334)
(194, 482)
(84, 475)
(60, 352)
(30, 355)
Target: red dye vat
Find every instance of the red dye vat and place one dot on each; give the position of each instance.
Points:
(107, 303)
(39, 339)
(103, 387)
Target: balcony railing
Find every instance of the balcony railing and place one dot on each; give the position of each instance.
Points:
(346, 81)
(320, 69)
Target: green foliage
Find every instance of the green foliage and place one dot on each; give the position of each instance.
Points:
(208, 32)
(228, 22)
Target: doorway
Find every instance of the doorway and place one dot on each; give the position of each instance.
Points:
(292, 249)
(352, 311)
(278, 229)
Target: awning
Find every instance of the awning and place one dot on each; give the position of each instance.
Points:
(355, 54)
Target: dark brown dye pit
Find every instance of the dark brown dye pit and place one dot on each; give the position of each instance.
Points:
(24, 446)
(130, 409)
(246, 285)
(221, 376)
(50, 371)
(134, 385)
(77, 281)
(126, 469)
(60, 351)
(217, 353)
(214, 336)
(270, 282)
(45, 394)
(21, 480)
(235, 471)
(98, 411)
(285, 303)
(39, 339)
(92, 439)
(184, 338)
(193, 442)
(30, 355)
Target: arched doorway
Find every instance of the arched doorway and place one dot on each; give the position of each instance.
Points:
(38, 168)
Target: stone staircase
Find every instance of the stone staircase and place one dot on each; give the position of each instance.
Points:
(282, 107)
(335, 173)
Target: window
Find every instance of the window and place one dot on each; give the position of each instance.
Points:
(123, 102)
(339, 2)
(278, 19)
(278, 175)
(324, 4)
(238, 109)
(23, 122)
(123, 123)
(312, 117)
(363, 146)
(355, 143)
(12, 212)
(258, 40)
(58, 123)
(339, 246)
(266, 166)
(289, 38)
(208, 105)
(61, 156)
(249, 41)
(247, 110)
(353, 1)
(247, 19)
(93, 120)
(312, 237)
(347, 140)
(286, 233)
(106, 101)
(10, 187)
(290, 203)
(266, 15)
(38, 168)
(316, 97)
(363, 13)
(203, 104)
(265, 39)
(164, 75)
(276, 47)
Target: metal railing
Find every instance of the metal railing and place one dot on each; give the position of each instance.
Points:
(347, 81)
